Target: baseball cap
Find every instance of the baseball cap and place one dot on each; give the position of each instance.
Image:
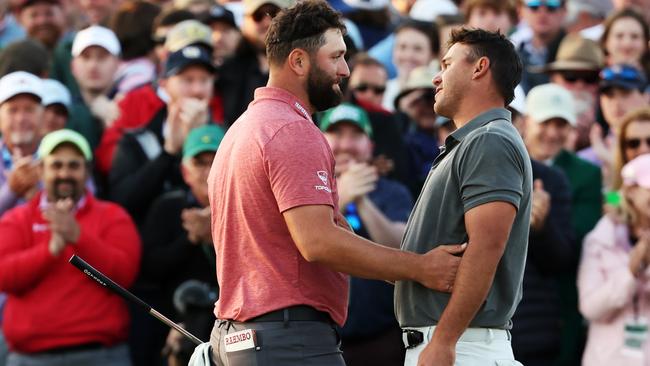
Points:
(188, 56)
(20, 82)
(187, 33)
(519, 102)
(58, 137)
(55, 93)
(202, 139)
(637, 172)
(184, 4)
(575, 53)
(550, 101)
(622, 76)
(346, 113)
(96, 35)
(251, 5)
(218, 13)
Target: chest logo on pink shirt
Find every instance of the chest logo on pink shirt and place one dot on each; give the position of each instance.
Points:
(322, 175)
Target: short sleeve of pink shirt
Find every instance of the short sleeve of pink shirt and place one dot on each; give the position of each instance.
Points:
(299, 166)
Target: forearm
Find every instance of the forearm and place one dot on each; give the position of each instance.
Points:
(380, 228)
(345, 252)
(473, 281)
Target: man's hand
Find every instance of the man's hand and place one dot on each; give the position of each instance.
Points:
(24, 177)
(193, 112)
(197, 223)
(62, 221)
(541, 206)
(357, 181)
(182, 117)
(438, 267)
(437, 354)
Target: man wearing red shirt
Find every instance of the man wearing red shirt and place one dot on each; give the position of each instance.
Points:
(280, 240)
(55, 315)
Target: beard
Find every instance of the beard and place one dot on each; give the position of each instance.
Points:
(22, 138)
(73, 190)
(48, 34)
(320, 89)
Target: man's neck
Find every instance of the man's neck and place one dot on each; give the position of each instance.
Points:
(474, 108)
(90, 95)
(293, 87)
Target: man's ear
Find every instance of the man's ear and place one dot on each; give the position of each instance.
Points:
(298, 61)
(481, 67)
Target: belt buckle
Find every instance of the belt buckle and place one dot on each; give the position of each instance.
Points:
(412, 338)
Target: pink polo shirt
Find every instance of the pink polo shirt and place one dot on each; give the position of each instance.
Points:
(272, 159)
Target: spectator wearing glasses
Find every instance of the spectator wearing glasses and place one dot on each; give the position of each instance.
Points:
(576, 68)
(248, 69)
(545, 19)
(614, 274)
(622, 90)
(550, 116)
(626, 40)
(368, 80)
(377, 208)
(366, 86)
(632, 140)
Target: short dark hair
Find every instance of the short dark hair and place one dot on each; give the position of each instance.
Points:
(428, 29)
(171, 17)
(505, 63)
(301, 26)
(133, 24)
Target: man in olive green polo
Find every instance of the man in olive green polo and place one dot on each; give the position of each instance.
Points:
(479, 192)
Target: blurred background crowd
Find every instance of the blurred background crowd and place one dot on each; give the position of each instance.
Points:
(111, 112)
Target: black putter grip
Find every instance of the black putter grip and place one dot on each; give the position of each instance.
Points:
(105, 281)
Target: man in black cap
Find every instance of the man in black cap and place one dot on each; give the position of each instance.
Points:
(225, 33)
(146, 163)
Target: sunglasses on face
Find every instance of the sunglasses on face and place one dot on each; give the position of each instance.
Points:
(377, 89)
(635, 143)
(588, 78)
(262, 12)
(551, 5)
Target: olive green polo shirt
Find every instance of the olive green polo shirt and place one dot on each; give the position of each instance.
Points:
(481, 162)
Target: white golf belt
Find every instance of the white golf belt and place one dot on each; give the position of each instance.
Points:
(469, 335)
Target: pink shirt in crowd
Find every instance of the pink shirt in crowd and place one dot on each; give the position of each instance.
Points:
(272, 159)
(606, 289)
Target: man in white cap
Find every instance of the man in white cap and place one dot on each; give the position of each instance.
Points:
(21, 113)
(550, 117)
(57, 102)
(95, 59)
(54, 315)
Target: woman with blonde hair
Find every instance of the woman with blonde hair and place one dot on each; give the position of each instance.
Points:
(632, 140)
(614, 277)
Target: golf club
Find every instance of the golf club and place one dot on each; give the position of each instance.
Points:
(108, 283)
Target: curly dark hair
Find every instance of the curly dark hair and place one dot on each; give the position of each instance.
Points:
(505, 64)
(301, 26)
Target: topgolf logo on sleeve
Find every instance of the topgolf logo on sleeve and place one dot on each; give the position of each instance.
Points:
(322, 175)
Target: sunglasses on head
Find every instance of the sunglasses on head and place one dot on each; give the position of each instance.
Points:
(262, 12)
(635, 143)
(586, 77)
(551, 5)
(624, 73)
(363, 87)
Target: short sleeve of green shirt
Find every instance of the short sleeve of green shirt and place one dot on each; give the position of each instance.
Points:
(489, 169)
